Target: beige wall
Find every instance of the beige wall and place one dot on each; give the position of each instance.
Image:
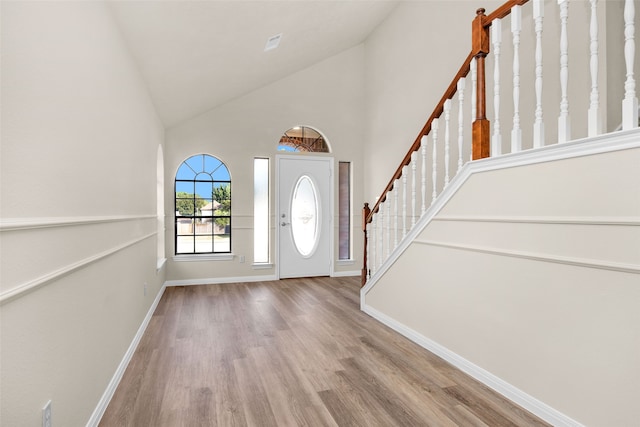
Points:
(539, 336)
(78, 128)
(531, 273)
(78, 192)
(407, 69)
(327, 96)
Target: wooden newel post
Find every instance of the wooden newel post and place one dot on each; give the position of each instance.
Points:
(480, 48)
(366, 211)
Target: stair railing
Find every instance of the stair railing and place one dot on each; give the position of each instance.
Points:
(428, 160)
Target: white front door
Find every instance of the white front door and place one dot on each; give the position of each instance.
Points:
(304, 215)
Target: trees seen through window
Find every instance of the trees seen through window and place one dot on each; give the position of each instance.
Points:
(202, 206)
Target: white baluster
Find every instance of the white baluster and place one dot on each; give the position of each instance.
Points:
(595, 124)
(388, 247)
(538, 125)
(423, 187)
(447, 137)
(461, 85)
(367, 233)
(564, 128)
(404, 201)
(516, 27)
(381, 227)
(474, 88)
(434, 176)
(496, 39)
(372, 239)
(395, 217)
(630, 102)
(413, 189)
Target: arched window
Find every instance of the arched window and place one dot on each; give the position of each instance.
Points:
(203, 206)
(302, 138)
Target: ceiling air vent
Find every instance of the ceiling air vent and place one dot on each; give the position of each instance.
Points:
(273, 42)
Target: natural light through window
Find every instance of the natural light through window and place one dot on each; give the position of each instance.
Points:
(203, 206)
(261, 211)
(303, 139)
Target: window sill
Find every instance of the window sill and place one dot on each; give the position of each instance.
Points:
(262, 266)
(203, 257)
(345, 262)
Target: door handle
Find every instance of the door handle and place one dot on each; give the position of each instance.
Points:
(284, 223)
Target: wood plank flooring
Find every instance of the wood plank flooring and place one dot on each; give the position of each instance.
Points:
(294, 352)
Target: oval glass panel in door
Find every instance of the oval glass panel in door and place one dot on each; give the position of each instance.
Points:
(304, 216)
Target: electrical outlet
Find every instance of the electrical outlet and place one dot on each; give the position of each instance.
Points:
(46, 415)
(241, 259)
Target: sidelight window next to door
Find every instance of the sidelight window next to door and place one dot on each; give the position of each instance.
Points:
(261, 213)
(344, 211)
(261, 208)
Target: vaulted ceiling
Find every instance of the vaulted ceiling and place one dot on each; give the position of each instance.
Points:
(196, 55)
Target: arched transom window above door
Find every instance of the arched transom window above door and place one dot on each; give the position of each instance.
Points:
(303, 139)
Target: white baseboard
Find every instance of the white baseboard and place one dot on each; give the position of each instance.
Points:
(346, 273)
(115, 380)
(512, 393)
(219, 280)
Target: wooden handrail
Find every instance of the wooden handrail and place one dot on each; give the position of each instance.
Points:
(480, 48)
(503, 10)
(448, 94)
(480, 132)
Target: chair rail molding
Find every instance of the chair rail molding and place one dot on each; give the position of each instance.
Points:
(31, 285)
(15, 224)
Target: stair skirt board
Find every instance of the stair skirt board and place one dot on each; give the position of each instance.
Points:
(623, 140)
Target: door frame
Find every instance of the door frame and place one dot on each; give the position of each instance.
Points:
(331, 161)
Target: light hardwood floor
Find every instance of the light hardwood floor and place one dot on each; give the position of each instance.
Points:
(294, 352)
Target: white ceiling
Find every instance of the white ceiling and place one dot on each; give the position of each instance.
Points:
(196, 55)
